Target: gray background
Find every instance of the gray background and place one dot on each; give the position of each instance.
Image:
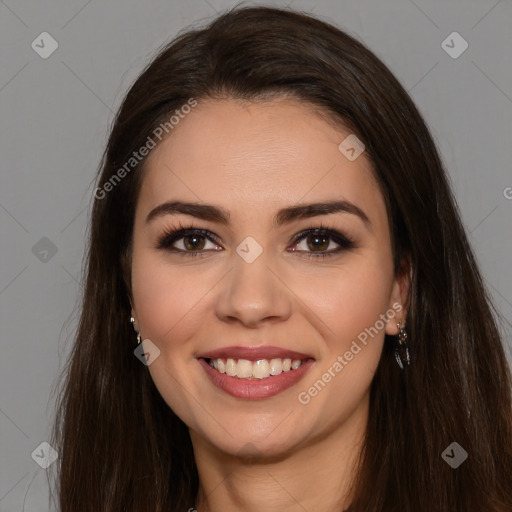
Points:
(55, 115)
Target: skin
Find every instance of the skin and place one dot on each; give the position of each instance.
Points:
(252, 159)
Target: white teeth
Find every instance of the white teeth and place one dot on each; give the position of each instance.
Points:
(276, 366)
(296, 364)
(260, 369)
(231, 367)
(244, 369)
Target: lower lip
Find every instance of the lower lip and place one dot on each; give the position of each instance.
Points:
(256, 389)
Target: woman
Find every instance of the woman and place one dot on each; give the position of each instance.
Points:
(273, 220)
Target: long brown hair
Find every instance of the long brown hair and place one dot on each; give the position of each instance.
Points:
(123, 449)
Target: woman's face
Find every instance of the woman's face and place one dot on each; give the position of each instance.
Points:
(245, 283)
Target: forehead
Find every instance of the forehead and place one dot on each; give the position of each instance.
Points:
(252, 155)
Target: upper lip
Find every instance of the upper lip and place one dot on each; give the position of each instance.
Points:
(253, 353)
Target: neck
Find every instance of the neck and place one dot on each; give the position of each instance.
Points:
(316, 476)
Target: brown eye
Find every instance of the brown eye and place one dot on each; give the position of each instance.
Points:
(193, 242)
(317, 241)
(188, 241)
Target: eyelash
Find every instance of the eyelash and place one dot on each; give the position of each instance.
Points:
(172, 235)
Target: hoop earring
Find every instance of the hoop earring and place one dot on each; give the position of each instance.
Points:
(132, 320)
(402, 355)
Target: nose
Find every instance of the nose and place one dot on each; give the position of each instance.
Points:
(253, 294)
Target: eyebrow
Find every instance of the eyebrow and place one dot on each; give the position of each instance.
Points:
(283, 216)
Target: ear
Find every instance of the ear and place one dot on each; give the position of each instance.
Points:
(135, 323)
(399, 299)
(134, 316)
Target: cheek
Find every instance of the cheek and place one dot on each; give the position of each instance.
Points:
(172, 301)
(350, 300)
(161, 296)
(168, 307)
(349, 304)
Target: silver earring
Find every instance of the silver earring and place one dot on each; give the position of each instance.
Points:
(401, 349)
(132, 320)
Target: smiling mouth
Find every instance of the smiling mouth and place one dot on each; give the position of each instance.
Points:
(254, 370)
